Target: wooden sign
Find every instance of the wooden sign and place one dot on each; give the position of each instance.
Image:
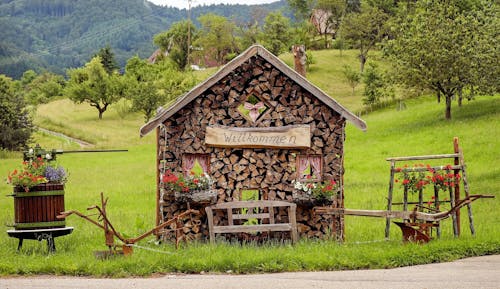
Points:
(293, 136)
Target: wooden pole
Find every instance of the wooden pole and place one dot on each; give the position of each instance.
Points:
(389, 199)
(436, 205)
(466, 191)
(158, 213)
(457, 184)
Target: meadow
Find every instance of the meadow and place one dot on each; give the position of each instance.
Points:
(128, 179)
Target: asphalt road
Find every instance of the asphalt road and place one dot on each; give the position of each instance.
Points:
(476, 272)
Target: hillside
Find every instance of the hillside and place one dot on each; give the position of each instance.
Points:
(58, 34)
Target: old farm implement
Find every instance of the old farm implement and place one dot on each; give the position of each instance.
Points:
(417, 224)
(102, 221)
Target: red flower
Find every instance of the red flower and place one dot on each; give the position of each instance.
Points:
(406, 181)
(196, 181)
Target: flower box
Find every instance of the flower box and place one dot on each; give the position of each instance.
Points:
(308, 200)
(196, 196)
(38, 207)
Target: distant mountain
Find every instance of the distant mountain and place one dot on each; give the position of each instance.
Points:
(56, 35)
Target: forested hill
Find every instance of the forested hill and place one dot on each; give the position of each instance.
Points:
(56, 35)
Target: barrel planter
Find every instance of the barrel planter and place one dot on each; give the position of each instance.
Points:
(38, 208)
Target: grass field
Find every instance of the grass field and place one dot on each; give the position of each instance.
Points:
(128, 179)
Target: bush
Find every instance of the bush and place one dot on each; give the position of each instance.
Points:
(15, 122)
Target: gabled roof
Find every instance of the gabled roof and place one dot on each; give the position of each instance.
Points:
(254, 50)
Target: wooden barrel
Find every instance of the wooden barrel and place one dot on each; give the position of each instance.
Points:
(38, 208)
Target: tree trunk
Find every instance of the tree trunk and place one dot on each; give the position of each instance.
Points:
(449, 97)
(460, 97)
(362, 60)
(300, 59)
(439, 96)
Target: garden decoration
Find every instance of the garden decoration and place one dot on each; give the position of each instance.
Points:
(110, 233)
(256, 126)
(417, 224)
(38, 192)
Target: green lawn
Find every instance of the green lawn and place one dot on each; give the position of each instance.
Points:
(128, 179)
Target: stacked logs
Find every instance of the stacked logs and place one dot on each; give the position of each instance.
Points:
(271, 171)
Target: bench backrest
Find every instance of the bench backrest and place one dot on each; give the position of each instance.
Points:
(252, 214)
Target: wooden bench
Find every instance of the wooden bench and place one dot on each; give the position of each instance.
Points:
(265, 211)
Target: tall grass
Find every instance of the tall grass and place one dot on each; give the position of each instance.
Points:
(128, 179)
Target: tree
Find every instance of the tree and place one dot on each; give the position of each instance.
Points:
(365, 30)
(352, 76)
(177, 43)
(92, 84)
(15, 121)
(335, 12)
(276, 33)
(374, 85)
(217, 37)
(302, 8)
(446, 46)
(108, 59)
(44, 88)
(151, 85)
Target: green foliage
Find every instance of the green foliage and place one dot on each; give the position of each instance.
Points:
(108, 59)
(365, 30)
(59, 34)
(352, 76)
(176, 41)
(302, 8)
(374, 84)
(44, 88)
(446, 56)
(217, 37)
(151, 85)
(92, 84)
(276, 33)
(15, 122)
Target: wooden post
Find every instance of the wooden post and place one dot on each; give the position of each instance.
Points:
(158, 213)
(466, 191)
(457, 184)
(300, 59)
(436, 205)
(389, 199)
(453, 215)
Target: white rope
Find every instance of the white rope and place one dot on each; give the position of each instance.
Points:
(150, 249)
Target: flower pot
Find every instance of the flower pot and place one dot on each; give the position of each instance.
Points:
(38, 208)
(197, 197)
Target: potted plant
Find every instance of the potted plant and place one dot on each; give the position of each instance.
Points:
(314, 194)
(193, 188)
(38, 191)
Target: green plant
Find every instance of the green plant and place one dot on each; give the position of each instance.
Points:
(36, 172)
(30, 175)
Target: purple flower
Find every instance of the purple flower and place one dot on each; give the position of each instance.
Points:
(55, 174)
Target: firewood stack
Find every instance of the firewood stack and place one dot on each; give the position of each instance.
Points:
(271, 171)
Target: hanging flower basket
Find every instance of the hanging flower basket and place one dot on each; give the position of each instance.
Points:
(197, 196)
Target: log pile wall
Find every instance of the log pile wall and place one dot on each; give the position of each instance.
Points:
(271, 171)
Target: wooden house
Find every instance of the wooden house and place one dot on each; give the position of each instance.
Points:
(256, 127)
